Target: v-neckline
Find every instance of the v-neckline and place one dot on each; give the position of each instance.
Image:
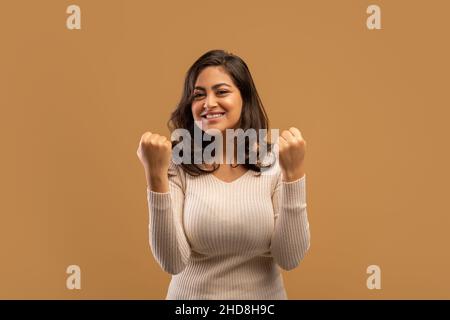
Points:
(233, 181)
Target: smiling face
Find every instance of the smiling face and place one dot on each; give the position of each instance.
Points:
(217, 102)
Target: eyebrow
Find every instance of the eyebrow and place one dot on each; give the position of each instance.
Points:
(214, 86)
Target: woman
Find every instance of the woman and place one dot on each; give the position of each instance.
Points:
(223, 231)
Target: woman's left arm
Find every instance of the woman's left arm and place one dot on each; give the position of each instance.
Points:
(291, 237)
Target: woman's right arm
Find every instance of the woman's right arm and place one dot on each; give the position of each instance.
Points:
(165, 196)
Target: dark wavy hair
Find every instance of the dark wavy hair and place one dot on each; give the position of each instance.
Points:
(253, 114)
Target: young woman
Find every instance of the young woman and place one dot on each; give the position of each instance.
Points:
(224, 230)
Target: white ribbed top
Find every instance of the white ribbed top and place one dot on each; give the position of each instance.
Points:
(223, 240)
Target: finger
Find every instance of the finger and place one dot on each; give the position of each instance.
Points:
(145, 136)
(295, 132)
(154, 138)
(287, 135)
(280, 137)
(161, 139)
(281, 143)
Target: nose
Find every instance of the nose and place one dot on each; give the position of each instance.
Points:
(210, 101)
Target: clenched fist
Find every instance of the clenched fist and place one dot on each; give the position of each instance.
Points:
(292, 149)
(155, 153)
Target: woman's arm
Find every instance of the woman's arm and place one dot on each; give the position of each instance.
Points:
(291, 237)
(168, 241)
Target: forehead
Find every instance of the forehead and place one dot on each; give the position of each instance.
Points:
(213, 75)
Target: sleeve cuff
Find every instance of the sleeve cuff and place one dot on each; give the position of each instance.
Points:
(294, 193)
(158, 200)
(289, 182)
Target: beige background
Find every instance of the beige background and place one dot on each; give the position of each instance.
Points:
(372, 105)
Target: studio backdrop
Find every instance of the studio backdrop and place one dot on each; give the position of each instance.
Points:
(366, 82)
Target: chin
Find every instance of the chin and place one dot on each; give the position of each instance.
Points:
(207, 127)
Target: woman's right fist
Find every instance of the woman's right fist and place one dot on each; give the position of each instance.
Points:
(155, 153)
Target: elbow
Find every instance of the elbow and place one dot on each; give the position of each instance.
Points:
(172, 269)
(170, 266)
(292, 262)
(289, 266)
(168, 262)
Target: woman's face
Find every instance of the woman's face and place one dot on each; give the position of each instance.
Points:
(215, 94)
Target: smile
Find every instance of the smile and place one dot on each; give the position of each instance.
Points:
(213, 116)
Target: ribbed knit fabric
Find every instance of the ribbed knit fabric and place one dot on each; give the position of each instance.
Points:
(227, 240)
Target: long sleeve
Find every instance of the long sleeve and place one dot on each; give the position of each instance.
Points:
(167, 238)
(291, 238)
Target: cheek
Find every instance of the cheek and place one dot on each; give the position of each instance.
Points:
(233, 104)
(196, 109)
(235, 107)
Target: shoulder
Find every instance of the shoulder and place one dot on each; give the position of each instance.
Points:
(177, 174)
(174, 169)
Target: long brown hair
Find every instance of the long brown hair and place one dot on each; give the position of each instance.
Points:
(253, 114)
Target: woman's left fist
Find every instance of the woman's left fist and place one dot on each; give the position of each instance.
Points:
(292, 150)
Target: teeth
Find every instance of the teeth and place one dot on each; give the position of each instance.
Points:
(211, 116)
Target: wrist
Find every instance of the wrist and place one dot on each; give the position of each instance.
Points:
(158, 183)
(293, 175)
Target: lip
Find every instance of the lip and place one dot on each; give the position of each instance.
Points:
(212, 119)
(212, 112)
